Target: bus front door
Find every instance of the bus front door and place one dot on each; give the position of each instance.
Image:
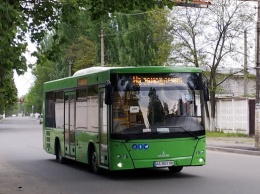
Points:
(103, 135)
(69, 127)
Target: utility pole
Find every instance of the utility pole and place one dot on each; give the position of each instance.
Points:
(70, 63)
(102, 47)
(245, 63)
(257, 67)
(257, 100)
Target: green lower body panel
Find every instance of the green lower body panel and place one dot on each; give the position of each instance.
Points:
(157, 153)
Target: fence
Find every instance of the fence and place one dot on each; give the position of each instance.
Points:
(235, 115)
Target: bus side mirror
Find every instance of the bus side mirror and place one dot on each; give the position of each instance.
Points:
(108, 93)
(205, 92)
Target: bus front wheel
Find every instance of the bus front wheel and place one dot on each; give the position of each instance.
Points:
(175, 168)
(93, 166)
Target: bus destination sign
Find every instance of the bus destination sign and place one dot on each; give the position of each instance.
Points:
(137, 80)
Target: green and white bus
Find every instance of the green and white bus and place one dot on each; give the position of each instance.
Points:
(120, 118)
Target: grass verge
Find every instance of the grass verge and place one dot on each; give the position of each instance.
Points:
(222, 134)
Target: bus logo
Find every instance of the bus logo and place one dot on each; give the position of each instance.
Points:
(163, 155)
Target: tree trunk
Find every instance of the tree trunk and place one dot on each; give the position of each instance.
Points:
(1, 75)
(213, 111)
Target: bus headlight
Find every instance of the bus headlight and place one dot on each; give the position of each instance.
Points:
(119, 165)
(201, 160)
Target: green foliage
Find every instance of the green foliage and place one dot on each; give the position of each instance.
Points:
(44, 71)
(12, 38)
(135, 39)
(22, 109)
(81, 53)
(8, 93)
(98, 8)
(130, 40)
(18, 18)
(156, 111)
(139, 38)
(162, 38)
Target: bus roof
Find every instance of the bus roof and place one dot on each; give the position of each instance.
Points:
(94, 75)
(138, 69)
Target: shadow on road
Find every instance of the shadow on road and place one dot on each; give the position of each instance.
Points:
(138, 174)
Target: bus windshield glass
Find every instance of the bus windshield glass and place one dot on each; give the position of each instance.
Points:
(163, 105)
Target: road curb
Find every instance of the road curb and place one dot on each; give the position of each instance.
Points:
(233, 150)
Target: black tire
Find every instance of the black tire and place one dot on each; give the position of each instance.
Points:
(175, 168)
(93, 165)
(59, 156)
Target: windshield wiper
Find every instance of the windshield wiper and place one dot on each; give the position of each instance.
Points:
(138, 135)
(192, 134)
(131, 138)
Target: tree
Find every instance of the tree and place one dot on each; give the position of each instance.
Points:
(8, 93)
(42, 73)
(209, 39)
(138, 38)
(18, 19)
(143, 38)
(45, 70)
(79, 43)
(36, 17)
(81, 52)
(156, 111)
(98, 8)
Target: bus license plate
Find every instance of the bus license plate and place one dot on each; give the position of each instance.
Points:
(163, 163)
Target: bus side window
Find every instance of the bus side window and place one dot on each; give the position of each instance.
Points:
(59, 109)
(50, 110)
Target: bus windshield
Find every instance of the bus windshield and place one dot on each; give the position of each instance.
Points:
(157, 104)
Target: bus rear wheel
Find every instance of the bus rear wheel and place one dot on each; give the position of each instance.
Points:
(175, 168)
(59, 156)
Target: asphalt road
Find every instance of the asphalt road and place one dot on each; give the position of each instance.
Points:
(25, 168)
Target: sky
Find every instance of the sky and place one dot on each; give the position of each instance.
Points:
(24, 82)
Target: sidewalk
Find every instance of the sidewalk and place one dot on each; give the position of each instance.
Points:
(239, 145)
